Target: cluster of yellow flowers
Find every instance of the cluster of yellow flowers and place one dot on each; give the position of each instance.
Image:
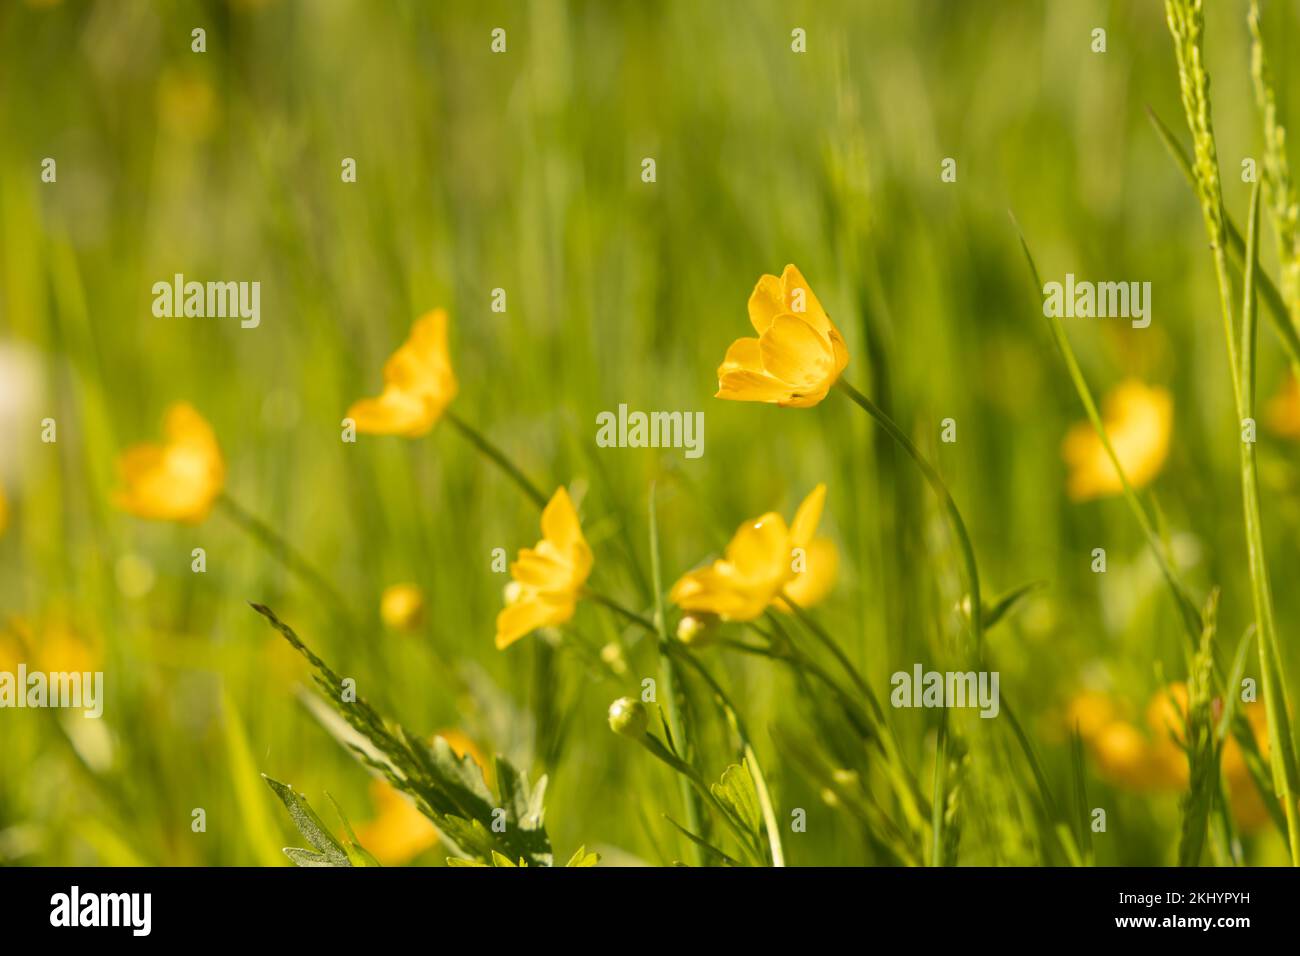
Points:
(1154, 760)
(796, 358)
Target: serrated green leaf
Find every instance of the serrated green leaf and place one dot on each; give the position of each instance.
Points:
(738, 797)
(303, 857)
(309, 824)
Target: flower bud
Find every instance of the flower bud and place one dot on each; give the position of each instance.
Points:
(628, 717)
(695, 628)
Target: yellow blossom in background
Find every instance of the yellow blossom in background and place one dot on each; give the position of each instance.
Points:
(399, 832)
(49, 643)
(1154, 761)
(1282, 411)
(546, 580)
(758, 565)
(418, 384)
(811, 585)
(178, 480)
(4, 511)
(1138, 420)
(401, 607)
(798, 354)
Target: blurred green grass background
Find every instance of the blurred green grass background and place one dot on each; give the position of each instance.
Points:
(521, 171)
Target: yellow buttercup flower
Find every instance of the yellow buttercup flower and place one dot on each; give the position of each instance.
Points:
(548, 579)
(810, 585)
(418, 384)
(401, 607)
(1138, 420)
(758, 565)
(798, 354)
(178, 480)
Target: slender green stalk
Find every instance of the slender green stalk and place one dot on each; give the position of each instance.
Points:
(693, 778)
(829, 643)
(1278, 310)
(286, 554)
(668, 674)
(669, 650)
(497, 457)
(940, 489)
(1191, 615)
(765, 803)
(938, 799)
(1274, 682)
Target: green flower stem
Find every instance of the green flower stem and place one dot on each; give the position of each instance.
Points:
(497, 457)
(1274, 680)
(876, 729)
(1277, 308)
(765, 802)
(668, 674)
(286, 554)
(652, 743)
(945, 497)
(672, 650)
(829, 643)
(1188, 609)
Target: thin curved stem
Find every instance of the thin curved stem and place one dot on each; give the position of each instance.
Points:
(945, 497)
(497, 457)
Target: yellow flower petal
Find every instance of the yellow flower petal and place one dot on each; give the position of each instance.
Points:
(760, 549)
(418, 384)
(794, 352)
(1139, 421)
(808, 517)
(547, 579)
(794, 288)
(798, 355)
(393, 413)
(521, 619)
(560, 521)
(175, 481)
(811, 585)
(766, 302)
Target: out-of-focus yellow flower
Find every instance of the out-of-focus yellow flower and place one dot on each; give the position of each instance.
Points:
(1156, 761)
(418, 384)
(547, 579)
(1282, 411)
(1089, 711)
(811, 585)
(401, 607)
(798, 354)
(759, 564)
(1138, 419)
(399, 832)
(4, 511)
(52, 643)
(177, 480)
